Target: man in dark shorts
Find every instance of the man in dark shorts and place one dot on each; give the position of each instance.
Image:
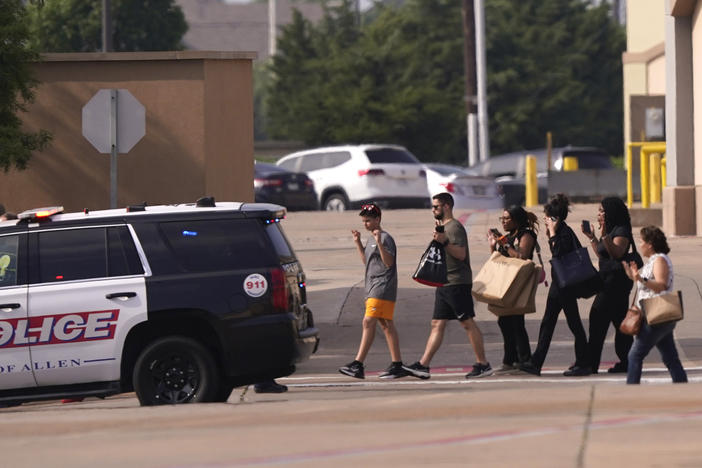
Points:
(452, 301)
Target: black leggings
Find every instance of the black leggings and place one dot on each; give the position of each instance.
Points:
(516, 340)
(556, 302)
(609, 307)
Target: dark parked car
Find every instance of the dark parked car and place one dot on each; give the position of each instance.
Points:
(293, 190)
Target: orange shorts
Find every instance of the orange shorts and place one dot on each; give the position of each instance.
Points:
(380, 308)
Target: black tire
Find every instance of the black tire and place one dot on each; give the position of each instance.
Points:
(225, 391)
(336, 202)
(175, 370)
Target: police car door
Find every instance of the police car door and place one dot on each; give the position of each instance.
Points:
(15, 362)
(87, 289)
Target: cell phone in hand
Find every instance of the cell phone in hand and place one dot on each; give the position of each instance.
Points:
(495, 232)
(554, 219)
(586, 227)
(439, 228)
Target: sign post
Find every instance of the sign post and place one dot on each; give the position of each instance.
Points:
(113, 122)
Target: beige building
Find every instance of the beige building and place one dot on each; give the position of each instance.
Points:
(198, 141)
(662, 67)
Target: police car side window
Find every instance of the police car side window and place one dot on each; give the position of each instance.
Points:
(124, 259)
(72, 254)
(222, 244)
(9, 248)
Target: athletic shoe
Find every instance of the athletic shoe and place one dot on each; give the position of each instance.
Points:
(617, 368)
(578, 371)
(395, 371)
(479, 370)
(270, 386)
(530, 368)
(417, 370)
(507, 369)
(353, 369)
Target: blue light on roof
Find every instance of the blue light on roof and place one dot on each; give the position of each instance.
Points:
(190, 233)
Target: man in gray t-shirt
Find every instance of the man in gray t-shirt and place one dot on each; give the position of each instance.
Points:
(379, 256)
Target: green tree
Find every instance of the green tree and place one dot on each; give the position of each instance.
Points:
(138, 25)
(16, 87)
(552, 65)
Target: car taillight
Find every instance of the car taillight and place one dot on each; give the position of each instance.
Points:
(363, 172)
(280, 293)
(267, 182)
(309, 183)
(449, 187)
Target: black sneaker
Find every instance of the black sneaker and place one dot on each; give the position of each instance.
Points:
(479, 370)
(617, 368)
(417, 370)
(578, 371)
(353, 369)
(270, 386)
(530, 368)
(395, 371)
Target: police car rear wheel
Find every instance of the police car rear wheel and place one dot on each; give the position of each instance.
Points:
(175, 370)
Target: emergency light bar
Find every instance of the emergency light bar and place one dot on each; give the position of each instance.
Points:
(40, 213)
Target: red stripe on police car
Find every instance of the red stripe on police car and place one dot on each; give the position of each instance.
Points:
(56, 329)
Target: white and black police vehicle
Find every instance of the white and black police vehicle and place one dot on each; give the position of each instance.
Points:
(178, 303)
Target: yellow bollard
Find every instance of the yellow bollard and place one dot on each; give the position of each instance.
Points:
(664, 174)
(629, 176)
(655, 173)
(531, 187)
(570, 163)
(645, 179)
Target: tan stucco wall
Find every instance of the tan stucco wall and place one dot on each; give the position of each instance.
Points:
(199, 131)
(645, 27)
(655, 76)
(697, 92)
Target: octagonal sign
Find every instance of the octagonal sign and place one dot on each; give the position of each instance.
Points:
(130, 116)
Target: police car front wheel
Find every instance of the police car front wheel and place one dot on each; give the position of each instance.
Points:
(173, 370)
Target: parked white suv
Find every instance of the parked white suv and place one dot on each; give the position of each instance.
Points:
(349, 176)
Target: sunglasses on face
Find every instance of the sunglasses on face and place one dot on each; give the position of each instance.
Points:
(435, 207)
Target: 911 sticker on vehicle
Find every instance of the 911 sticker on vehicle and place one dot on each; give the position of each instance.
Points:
(56, 329)
(255, 285)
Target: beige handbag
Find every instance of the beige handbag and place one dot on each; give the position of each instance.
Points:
(525, 302)
(663, 308)
(502, 279)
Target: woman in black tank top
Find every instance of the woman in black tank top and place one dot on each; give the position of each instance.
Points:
(519, 242)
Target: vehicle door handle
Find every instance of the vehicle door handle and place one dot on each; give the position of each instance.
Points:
(120, 295)
(9, 307)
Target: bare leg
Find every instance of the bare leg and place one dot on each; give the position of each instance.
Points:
(435, 338)
(476, 339)
(367, 338)
(393, 340)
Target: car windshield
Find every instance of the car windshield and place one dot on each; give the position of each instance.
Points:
(590, 159)
(390, 155)
(262, 169)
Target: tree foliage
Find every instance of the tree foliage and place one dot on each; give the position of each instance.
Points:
(553, 65)
(137, 25)
(16, 87)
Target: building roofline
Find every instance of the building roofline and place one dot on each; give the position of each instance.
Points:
(645, 56)
(148, 56)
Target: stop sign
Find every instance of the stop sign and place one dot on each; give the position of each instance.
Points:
(130, 119)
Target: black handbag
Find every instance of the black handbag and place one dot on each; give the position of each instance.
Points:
(574, 269)
(432, 268)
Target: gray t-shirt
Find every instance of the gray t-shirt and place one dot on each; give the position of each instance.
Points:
(459, 272)
(381, 282)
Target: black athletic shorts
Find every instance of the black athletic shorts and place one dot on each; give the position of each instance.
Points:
(453, 302)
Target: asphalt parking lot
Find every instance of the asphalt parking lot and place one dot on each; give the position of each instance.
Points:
(327, 419)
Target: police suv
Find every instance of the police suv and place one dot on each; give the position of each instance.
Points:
(178, 303)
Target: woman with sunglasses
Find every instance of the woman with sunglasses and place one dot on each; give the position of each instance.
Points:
(519, 241)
